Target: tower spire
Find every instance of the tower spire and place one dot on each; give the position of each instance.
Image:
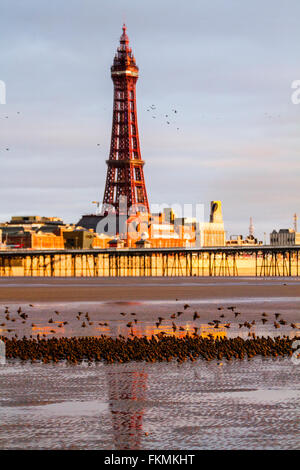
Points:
(125, 176)
(124, 37)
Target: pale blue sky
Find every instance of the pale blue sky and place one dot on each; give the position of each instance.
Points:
(225, 65)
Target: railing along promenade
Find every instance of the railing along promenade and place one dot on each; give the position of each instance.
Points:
(206, 261)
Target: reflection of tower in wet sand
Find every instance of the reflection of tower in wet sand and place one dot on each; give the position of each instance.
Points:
(127, 392)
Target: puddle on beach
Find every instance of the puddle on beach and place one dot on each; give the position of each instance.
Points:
(249, 404)
(243, 404)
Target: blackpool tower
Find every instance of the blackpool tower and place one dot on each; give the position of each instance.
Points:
(125, 175)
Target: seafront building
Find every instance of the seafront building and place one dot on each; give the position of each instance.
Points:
(239, 240)
(285, 237)
(47, 233)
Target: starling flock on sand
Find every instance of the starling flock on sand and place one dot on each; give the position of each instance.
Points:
(162, 346)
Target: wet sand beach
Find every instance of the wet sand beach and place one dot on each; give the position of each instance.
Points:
(147, 299)
(241, 405)
(116, 289)
(251, 403)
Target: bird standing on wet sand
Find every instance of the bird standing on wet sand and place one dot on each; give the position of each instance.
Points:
(115, 350)
(186, 306)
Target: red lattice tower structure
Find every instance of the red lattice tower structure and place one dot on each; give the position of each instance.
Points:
(125, 175)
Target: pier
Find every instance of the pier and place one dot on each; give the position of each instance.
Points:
(255, 261)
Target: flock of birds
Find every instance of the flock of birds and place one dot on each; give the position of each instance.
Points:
(155, 349)
(159, 347)
(167, 117)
